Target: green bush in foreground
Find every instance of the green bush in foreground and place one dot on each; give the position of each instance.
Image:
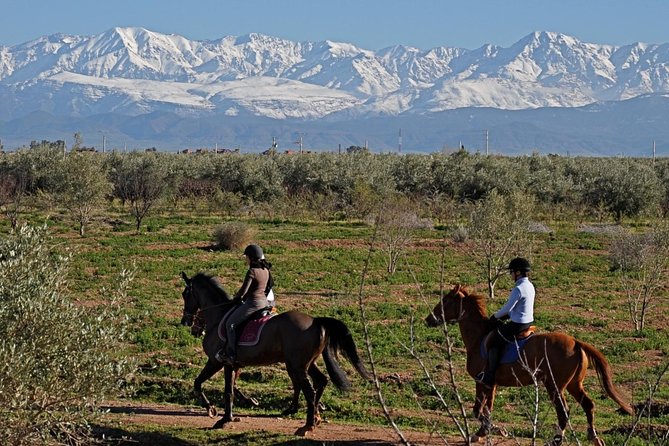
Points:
(58, 361)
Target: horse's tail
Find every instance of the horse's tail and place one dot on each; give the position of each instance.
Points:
(604, 372)
(340, 340)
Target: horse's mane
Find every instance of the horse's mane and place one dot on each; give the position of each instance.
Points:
(213, 282)
(478, 299)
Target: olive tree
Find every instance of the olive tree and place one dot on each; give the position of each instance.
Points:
(498, 228)
(625, 187)
(82, 186)
(12, 193)
(641, 262)
(139, 179)
(58, 360)
(397, 222)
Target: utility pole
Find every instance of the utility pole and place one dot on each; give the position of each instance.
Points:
(486, 142)
(653, 151)
(399, 145)
(299, 142)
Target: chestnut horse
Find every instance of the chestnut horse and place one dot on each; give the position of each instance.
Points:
(559, 360)
(293, 338)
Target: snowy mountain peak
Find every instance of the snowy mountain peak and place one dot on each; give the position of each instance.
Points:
(135, 70)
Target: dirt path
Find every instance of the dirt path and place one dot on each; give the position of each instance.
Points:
(182, 416)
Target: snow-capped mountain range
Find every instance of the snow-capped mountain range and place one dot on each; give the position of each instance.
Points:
(137, 72)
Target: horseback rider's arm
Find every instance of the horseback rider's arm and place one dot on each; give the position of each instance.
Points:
(246, 285)
(514, 297)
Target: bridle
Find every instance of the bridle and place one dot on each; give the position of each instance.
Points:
(196, 320)
(460, 311)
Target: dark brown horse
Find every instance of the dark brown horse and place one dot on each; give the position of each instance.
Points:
(293, 338)
(559, 360)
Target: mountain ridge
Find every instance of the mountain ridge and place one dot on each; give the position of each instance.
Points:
(132, 71)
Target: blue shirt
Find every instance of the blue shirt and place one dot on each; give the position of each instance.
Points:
(520, 305)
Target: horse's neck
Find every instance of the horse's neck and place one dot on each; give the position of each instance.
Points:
(472, 327)
(214, 312)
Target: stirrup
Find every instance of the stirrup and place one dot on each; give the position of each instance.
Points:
(485, 379)
(223, 358)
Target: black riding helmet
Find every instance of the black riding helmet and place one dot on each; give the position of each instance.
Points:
(254, 252)
(519, 264)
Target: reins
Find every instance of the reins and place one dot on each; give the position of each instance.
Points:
(201, 309)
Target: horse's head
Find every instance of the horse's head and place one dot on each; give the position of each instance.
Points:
(449, 309)
(191, 304)
(204, 300)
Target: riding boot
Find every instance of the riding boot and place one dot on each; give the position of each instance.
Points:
(221, 355)
(487, 377)
(228, 358)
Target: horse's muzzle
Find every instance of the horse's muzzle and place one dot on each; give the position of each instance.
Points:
(432, 321)
(187, 320)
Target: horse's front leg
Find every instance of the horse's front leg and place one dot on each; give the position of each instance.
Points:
(485, 398)
(209, 370)
(479, 403)
(228, 371)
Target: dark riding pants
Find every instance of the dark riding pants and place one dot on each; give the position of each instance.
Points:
(503, 334)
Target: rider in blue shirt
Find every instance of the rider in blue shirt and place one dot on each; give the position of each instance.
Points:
(519, 308)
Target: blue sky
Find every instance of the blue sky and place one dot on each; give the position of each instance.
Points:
(370, 24)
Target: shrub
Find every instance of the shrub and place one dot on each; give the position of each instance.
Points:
(58, 361)
(461, 234)
(232, 235)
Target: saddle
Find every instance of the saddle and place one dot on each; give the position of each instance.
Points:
(529, 331)
(248, 331)
(512, 348)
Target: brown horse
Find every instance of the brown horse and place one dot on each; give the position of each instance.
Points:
(559, 360)
(293, 338)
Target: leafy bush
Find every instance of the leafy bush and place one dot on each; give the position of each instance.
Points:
(233, 235)
(58, 361)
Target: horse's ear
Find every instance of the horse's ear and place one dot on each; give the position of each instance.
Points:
(185, 277)
(459, 290)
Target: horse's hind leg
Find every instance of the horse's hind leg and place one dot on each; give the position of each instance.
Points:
(575, 389)
(295, 402)
(240, 396)
(299, 377)
(320, 381)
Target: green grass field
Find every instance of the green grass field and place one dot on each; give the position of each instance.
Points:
(318, 269)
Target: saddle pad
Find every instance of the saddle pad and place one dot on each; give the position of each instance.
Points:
(510, 353)
(250, 334)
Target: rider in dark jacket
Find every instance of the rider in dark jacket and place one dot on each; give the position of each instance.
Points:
(252, 294)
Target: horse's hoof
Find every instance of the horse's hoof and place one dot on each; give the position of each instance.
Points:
(556, 441)
(254, 402)
(598, 441)
(304, 430)
(220, 424)
(497, 430)
(289, 411)
(475, 439)
(212, 412)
